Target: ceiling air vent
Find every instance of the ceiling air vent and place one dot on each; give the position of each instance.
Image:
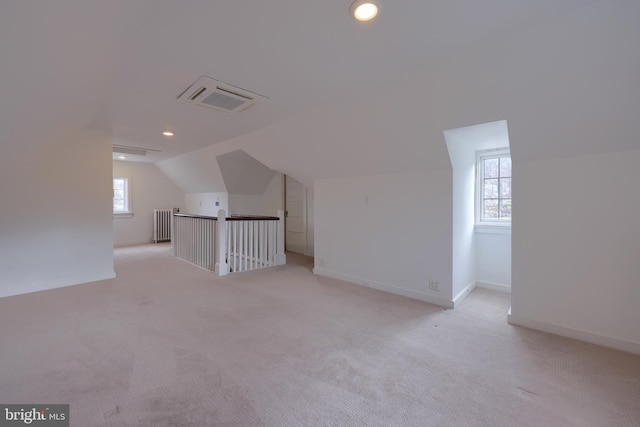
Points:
(138, 151)
(219, 95)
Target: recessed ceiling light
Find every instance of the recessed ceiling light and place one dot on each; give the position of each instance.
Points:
(167, 133)
(122, 157)
(365, 10)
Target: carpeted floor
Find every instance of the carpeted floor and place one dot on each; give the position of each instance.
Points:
(168, 344)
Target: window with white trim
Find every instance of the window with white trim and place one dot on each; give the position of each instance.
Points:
(121, 201)
(493, 188)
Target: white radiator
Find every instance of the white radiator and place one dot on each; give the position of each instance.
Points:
(162, 225)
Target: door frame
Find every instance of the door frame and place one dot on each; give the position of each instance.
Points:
(304, 213)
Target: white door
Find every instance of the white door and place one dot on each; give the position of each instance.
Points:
(295, 236)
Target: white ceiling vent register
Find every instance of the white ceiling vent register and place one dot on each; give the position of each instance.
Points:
(219, 95)
(138, 151)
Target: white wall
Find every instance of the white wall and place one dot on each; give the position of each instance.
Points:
(273, 197)
(56, 217)
(195, 172)
(391, 232)
(462, 154)
(576, 241)
(245, 204)
(238, 204)
(206, 204)
(150, 189)
(493, 260)
(267, 203)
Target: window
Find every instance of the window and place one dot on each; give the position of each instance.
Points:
(121, 203)
(494, 187)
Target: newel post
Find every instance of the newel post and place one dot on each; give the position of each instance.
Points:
(174, 211)
(221, 268)
(281, 258)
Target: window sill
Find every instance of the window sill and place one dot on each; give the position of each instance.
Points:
(493, 228)
(119, 215)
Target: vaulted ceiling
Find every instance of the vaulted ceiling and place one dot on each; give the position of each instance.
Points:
(119, 65)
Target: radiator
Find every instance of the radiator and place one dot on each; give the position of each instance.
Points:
(162, 225)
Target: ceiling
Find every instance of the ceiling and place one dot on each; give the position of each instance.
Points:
(120, 65)
(242, 174)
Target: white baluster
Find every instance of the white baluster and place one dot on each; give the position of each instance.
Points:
(222, 268)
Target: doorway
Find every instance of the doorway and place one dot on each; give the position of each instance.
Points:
(295, 216)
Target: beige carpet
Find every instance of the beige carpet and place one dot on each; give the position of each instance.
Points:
(168, 344)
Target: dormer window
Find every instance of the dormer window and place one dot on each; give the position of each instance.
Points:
(493, 188)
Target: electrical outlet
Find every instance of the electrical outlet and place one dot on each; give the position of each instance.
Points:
(434, 285)
(321, 262)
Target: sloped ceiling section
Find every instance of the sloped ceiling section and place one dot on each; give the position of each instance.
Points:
(566, 87)
(562, 73)
(219, 168)
(56, 64)
(298, 54)
(243, 174)
(195, 172)
(486, 136)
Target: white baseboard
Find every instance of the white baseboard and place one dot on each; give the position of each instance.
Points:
(464, 293)
(132, 243)
(385, 287)
(37, 287)
(299, 249)
(494, 286)
(602, 340)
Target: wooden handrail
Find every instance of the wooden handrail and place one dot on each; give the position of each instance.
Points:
(232, 217)
(252, 218)
(215, 218)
